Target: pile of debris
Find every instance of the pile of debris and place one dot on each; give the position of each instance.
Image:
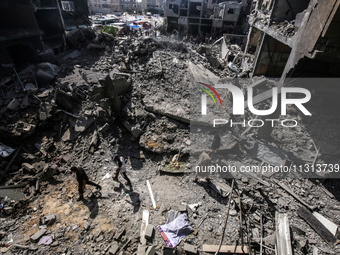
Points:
(285, 28)
(131, 95)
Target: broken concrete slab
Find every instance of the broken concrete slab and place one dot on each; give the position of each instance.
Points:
(113, 249)
(189, 248)
(110, 91)
(119, 234)
(182, 208)
(333, 228)
(317, 226)
(173, 109)
(225, 249)
(283, 242)
(49, 219)
(149, 231)
(150, 251)
(121, 84)
(36, 237)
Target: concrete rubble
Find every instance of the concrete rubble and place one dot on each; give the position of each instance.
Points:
(132, 95)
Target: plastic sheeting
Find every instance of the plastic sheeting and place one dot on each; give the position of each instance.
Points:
(174, 231)
(5, 150)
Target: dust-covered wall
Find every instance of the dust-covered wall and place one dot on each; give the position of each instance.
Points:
(287, 9)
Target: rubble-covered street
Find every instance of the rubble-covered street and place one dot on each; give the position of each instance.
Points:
(134, 95)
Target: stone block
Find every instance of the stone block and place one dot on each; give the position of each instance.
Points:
(149, 231)
(191, 249)
(182, 208)
(49, 219)
(36, 237)
(113, 249)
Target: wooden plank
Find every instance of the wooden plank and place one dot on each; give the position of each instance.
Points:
(142, 242)
(283, 242)
(326, 192)
(327, 223)
(260, 180)
(226, 219)
(225, 249)
(289, 191)
(317, 226)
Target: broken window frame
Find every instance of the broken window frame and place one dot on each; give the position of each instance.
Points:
(67, 6)
(231, 11)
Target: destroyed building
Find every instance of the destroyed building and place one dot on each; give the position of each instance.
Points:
(197, 17)
(132, 95)
(32, 31)
(295, 38)
(155, 6)
(104, 7)
(116, 6)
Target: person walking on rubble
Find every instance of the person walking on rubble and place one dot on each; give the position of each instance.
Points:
(120, 162)
(82, 181)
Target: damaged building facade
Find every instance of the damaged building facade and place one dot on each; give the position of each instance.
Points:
(155, 6)
(32, 31)
(295, 38)
(115, 6)
(206, 16)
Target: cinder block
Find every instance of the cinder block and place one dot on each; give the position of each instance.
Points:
(182, 208)
(36, 237)
(149, 231)
(192, 249)
(50, 219)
